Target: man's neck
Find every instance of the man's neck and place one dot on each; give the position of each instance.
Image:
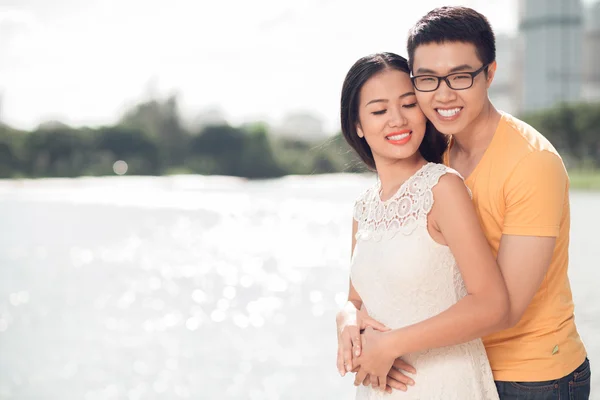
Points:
(475, 139)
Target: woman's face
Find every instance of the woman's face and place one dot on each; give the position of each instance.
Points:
(390, 119)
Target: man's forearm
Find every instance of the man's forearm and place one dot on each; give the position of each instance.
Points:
(466, 320)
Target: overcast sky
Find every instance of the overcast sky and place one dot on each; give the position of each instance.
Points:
(83, 61)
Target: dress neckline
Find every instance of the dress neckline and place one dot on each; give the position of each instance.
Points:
(401, 188)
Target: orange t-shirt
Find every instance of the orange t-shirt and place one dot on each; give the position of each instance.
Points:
(521, 187)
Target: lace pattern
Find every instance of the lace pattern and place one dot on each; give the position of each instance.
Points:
(404, 211)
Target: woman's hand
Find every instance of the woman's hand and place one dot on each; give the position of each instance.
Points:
(376, 359)
(349, 322)
(348, 335)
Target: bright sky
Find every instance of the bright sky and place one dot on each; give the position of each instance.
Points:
(83, 61)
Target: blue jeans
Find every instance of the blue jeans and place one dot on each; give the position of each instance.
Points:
(575, 386)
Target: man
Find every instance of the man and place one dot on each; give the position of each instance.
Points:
(521, 192)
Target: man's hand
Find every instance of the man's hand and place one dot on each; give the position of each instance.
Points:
(375, 359)
(349, 322)
(367, 381)
(396, 379)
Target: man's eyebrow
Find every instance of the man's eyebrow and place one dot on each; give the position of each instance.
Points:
(455, 69)
(461, 68)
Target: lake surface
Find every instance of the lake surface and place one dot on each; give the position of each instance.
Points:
(192, 287)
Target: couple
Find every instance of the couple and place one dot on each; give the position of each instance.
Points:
(424, 285)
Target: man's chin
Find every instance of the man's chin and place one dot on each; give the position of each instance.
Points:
(447, 129)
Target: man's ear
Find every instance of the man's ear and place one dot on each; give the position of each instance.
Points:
(491, 73)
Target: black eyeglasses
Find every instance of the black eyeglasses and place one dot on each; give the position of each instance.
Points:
(455, 81)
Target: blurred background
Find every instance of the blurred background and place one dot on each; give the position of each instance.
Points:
(176, 197)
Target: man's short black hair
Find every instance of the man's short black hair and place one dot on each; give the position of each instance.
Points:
(453, 24)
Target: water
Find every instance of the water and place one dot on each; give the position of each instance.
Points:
(195, 287)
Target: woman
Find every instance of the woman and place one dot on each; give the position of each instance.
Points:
(420, 263)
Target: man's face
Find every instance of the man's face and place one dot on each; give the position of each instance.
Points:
(452, 111)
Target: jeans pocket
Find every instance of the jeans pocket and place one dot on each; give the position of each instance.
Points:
(579, 386)
(580, 391)
(547, 390)
(583, 373)
(543, 386)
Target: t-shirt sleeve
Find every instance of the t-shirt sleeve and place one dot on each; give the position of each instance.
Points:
(535, 195)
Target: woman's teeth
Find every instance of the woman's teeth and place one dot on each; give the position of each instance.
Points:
(398, 137)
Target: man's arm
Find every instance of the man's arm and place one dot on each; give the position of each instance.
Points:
(535, 196)
(524, 261)
(485, 308)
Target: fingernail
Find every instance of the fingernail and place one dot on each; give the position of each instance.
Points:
(349, 367)
(341, 373)
(357, 352)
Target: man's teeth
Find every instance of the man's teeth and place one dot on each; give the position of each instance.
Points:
(448, 113)
(398, 137)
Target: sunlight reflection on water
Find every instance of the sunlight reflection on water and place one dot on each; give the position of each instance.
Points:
(192, 287)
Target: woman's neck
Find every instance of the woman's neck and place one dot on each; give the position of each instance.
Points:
(393, 174)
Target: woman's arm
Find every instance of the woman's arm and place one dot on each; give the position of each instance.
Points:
(347, 321)
(353, 296)
(350, 319)
(485, 308)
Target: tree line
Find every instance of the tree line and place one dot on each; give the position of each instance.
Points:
(152, 140)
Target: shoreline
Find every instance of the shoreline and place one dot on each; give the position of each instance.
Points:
(584, 180)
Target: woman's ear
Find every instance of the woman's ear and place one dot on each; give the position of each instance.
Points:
(359, 131)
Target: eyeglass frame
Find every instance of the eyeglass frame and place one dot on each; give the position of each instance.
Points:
(445, 79)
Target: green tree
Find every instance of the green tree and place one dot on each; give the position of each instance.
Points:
(573, 129)
(11, 145)
(217, 150)
(56, 152)
(132, 146)
(160, 120)
(257, 159)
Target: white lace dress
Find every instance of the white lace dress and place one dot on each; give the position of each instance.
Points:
(403, 276)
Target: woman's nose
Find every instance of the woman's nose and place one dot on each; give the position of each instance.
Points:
(397, 118)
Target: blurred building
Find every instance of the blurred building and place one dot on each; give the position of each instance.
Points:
(207, 117)
(505, 90)
(301, 125)
(591, 54)
(552, 32)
